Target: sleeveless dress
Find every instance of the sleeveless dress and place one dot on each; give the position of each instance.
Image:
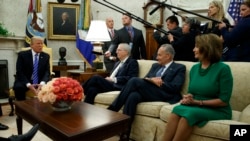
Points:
(216, 81)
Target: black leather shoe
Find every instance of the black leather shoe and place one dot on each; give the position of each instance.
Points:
(27, 136)
(3, 127)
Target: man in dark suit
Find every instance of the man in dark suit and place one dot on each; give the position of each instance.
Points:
(174, 29)
(162, 83)
(124, 69)
(109, 60)
(25, 69)
(132, 36)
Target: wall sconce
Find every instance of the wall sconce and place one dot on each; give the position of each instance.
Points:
(98, 34)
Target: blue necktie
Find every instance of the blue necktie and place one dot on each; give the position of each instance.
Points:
(35, 70)
(159, 72)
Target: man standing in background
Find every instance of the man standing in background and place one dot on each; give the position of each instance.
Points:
(130, 35)
(110, 59)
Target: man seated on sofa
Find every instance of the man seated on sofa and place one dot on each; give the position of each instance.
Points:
(123, 70)
(162, 83)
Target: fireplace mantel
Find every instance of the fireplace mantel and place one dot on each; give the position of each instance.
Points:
(9, 47)
(11, 43)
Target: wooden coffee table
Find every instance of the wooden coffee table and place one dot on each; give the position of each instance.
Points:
(82, 122)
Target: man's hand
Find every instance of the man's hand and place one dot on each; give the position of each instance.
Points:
(107, 54)
(157, 81)
(170, 37)
(35, 88)
(109, 79)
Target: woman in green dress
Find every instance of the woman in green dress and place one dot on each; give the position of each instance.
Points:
(209, 91)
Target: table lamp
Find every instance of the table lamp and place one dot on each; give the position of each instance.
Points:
(97, 34)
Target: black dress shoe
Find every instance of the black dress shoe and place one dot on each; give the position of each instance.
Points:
(27, 136)
(3, 127)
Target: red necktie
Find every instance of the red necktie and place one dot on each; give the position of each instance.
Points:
(112, 33)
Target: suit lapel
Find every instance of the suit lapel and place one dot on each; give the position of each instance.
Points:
(169, 69)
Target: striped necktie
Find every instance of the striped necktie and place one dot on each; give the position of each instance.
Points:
(35, 70)
(160, 71)
(130, 32)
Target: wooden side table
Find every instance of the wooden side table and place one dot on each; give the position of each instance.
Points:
(62, 70)
(82, 76)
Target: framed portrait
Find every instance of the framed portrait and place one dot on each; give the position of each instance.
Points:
(62, 21)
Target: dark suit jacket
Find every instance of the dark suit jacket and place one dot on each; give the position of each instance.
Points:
(109, 64)
(129, 69)
(138, 50)
(24, 68)
(173, 78)
(184, 47)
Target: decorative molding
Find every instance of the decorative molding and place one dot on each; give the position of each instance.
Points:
(12, 43)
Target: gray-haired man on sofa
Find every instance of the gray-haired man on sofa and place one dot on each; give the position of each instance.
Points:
(123, 70)
(162, 83)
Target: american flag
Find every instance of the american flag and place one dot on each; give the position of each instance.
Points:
(234, 9)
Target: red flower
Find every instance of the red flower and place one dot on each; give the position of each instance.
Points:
(63, 88)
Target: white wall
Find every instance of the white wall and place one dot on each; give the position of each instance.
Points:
(13, 13)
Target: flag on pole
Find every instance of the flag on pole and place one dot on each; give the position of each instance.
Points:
(35, 22)
(234, 11)
(85, 48)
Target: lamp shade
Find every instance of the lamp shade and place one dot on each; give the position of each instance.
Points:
(98, 32)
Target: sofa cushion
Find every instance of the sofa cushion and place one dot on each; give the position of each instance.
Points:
(144, 67)
(106, 98)
(151, 109)
(245, 115)
(214, 128)
(241, 91)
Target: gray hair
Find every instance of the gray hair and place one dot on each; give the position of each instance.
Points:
(126, 47)
(169, 49)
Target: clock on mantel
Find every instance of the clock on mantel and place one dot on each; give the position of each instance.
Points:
(156, 19)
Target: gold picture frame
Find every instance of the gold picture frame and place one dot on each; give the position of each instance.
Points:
(59, 29)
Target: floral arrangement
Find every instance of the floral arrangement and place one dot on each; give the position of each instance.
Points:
(61, 89)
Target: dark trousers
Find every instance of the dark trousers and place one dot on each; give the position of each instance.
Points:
(20, 91)
(96, 84)
(135, 91)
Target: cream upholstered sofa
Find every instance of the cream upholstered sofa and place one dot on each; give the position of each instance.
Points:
(151, 117)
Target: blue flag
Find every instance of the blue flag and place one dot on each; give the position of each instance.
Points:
(234, 10)
(35, 22)
(85, 48)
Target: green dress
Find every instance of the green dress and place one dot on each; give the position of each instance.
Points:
(214, 82)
